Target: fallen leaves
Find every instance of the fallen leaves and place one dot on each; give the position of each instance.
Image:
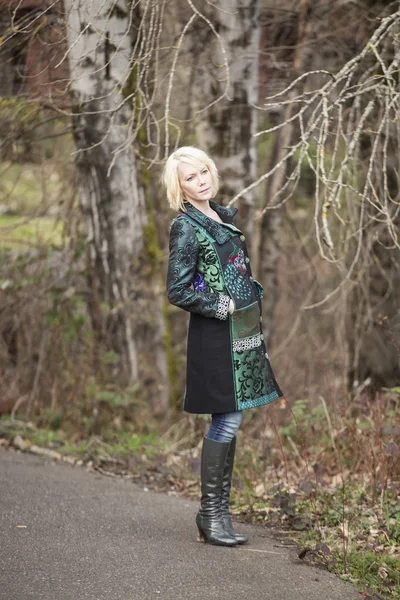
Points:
(382, 573)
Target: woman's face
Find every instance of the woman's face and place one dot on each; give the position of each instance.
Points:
(196, 182)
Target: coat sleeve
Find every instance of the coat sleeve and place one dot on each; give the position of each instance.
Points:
(183, 250)
(260, 288)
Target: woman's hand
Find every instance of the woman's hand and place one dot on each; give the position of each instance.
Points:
(231, 307)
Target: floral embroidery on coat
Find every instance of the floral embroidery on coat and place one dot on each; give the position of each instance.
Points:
(237, 259)
(199, 284)
(235, 273)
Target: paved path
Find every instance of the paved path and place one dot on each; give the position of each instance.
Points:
(90, 537)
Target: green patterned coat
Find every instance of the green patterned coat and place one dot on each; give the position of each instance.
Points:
(228, 367)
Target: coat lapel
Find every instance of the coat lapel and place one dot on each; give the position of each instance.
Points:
(216, 230)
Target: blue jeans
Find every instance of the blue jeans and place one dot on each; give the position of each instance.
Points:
(224, 426)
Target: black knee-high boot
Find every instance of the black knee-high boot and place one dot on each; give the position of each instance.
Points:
(209, 519)
(226, 488)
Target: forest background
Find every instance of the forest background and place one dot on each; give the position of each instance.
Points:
(298, 104)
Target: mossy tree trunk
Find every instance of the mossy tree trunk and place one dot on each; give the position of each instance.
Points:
(268, 247)
(123, 305)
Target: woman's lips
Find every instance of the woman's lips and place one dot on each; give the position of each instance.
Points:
(203, 191)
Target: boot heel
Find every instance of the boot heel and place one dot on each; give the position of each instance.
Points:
(201, 537)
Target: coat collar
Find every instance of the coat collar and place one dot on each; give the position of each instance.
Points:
(216, 230)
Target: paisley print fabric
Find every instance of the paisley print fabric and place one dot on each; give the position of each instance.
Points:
(208, 264)
(254, 381)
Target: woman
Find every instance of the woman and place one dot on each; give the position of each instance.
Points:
(228, 369)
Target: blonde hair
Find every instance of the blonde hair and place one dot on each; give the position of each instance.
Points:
(195, 157)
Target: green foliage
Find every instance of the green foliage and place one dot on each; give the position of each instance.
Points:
(132, 443)
(371, 539)
(111, 398)
(27, 132)
(46, 437)
(394, 390)
(19, 117)
(20, 186)
(116, 399)
(110, 358)
(306, 416)
(360, 538)
(53, 419)
(68, 315)
(151, 243)
(299, 412)
(32, 186)
(379, 573)
(22, 190)
(70, 449)
(17, 233)
(152, 250)
(23, 187)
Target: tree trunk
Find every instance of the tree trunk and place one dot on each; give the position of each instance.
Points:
(225, 130)
(112, 200)
(373, 318)
(373, 326)
(268, 247)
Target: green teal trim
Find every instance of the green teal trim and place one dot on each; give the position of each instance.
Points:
(259, 401)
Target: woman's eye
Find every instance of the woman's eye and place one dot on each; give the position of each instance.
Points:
(205, 171)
